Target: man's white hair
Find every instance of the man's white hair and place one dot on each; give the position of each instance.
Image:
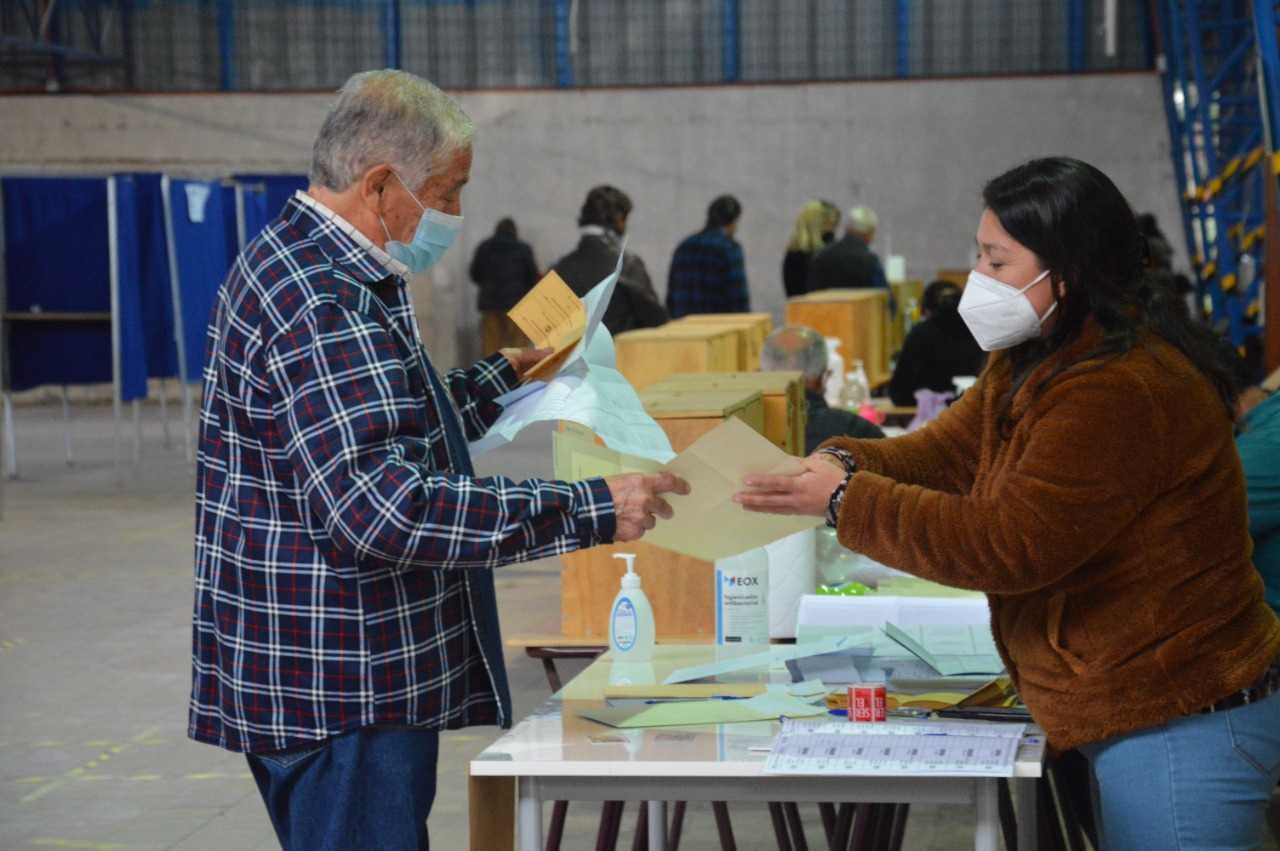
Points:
(795, 347)
(391, 117)
(862, 219)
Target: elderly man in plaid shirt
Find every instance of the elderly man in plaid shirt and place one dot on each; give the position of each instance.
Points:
(344, 601)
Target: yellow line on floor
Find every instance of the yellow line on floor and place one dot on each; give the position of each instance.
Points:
(79, 773)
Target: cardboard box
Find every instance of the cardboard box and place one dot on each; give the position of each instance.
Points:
(781, 392)
(858, 318)
(687, 414)
(754, 328)
(650, 354)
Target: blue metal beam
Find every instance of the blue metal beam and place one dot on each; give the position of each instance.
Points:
(55, 48)
(391, 32)
(731, 41)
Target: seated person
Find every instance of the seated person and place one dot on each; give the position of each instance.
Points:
(938, 349)
(798, 347)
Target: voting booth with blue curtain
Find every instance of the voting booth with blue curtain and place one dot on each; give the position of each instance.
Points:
(76, 252)
(113, 279)
(275, 190)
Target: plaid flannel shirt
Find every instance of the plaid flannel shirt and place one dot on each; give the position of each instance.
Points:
(708, 275)
(343, 544)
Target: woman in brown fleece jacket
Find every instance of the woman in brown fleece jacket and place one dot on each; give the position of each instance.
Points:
(1089, 484)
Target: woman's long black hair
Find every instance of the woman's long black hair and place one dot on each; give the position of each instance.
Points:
(1083, 231)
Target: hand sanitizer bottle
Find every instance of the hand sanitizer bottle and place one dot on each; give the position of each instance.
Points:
(631, 633)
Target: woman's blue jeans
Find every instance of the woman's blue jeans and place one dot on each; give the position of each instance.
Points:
(1196, 782)
(369, 790)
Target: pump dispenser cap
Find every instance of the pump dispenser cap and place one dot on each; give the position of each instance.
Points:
(630, 579)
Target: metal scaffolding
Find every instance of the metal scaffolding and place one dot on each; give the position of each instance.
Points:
(1217, 60)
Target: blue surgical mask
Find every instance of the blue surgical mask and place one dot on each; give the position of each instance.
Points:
(436, 231)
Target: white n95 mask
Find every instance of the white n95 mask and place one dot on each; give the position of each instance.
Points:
(1000, 316)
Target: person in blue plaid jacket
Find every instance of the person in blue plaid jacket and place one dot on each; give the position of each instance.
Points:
(708, 273)
(344, 599)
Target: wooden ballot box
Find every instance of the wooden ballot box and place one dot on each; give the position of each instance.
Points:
(959, 277)
(753, 329)
(687, 414)
(781, 392)
(680, 588)
(649, 354)
(859, 318)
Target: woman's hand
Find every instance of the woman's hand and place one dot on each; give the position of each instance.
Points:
(522, 359)
(804, 493)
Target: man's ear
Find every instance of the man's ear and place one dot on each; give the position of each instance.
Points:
(374, 185)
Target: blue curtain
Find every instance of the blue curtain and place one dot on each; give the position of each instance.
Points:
(205, 243)
(57, 260)
(278, 189)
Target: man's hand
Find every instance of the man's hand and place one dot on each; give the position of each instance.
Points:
(522, 359)
(804, 493)
(637, 504)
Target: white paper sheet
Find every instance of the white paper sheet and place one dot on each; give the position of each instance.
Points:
(587, 390)
(899, 748)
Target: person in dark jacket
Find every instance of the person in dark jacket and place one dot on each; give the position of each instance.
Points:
(799, 347)
(504, 269)
(938, 349)
(708, 273)
(849, 262)
(602, 222)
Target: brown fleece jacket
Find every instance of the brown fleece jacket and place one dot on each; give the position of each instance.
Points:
(1108, 530)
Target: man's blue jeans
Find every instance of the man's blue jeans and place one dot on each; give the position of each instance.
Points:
(369, 790)
(1197, 782)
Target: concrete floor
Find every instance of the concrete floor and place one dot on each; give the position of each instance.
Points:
(95, 608)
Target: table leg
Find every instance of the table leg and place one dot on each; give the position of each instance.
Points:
(1025, 807)
(530, 814)
(657, 826)
(986, 835)
(491, 803)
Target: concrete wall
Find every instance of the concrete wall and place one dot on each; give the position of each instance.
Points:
(917, 152)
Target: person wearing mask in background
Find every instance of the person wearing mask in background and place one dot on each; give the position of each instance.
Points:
(1089, 483)
(602, 222)
(801, 348)
(849, 262)
(813, 227)
(344, 594)
(504, 269)
(938, 349)
(708, 273)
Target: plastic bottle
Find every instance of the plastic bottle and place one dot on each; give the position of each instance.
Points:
(631, 633)
(857, 389)
(835, 372)
(742, 599)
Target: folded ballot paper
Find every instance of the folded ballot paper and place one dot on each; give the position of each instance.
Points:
(707, 523)
(791, 701)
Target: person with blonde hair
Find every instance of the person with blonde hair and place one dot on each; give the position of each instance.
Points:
(815, 226)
